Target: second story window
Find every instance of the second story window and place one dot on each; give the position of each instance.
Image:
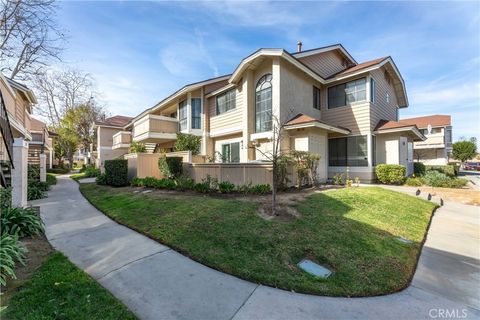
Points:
(373, 90)
(316, 98)
(263, 104)
(347, 93)
(196, 113)
(226, 101)
(182, 115)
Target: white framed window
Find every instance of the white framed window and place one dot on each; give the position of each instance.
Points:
(263, 104)
(182, 115)
(226, 101)
(231, 152)
(346, 93)
(196, 113)
(373, 90)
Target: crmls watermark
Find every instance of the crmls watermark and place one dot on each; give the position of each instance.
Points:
(441, 313)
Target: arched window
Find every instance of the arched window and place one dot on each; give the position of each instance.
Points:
(263, 104)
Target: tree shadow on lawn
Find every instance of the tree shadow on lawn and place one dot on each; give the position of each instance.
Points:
(353, 233)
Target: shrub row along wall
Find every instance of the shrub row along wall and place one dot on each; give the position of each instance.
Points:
(236, 173)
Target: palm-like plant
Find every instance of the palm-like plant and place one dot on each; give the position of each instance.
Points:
(11, 250)
(20, 222)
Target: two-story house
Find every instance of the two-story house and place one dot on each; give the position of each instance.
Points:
(329, 104)
(41, 144)
(17, 103)
(436, 149)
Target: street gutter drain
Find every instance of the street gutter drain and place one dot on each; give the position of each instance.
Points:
(403, 240)
(314, 269)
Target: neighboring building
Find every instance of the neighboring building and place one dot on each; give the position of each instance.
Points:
(42, 143)
(436, 149)
(106, 132)
(17, 101)
(344, 111)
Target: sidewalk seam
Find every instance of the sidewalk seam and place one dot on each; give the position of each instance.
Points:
(244, 302)
(126, 264)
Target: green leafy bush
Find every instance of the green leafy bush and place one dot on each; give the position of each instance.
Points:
(244, 188)
(457, 183)
(51, 179)
(116, 172)
(414, 181)
(59, 170)
(260, 189)
(10, 251)
(188, 142)
(21, 222)
(449, 170)
(149, 182)
(390, 173)
(338, 179)
(136, 182)
(171, 167)
(36, 190)
(435, 178)
(91, 172)
(101, 179)
(226, 187)
(184, 183)
(33, 172)
(418, 168)
(137, 147)
(5, 198)
(168, 184)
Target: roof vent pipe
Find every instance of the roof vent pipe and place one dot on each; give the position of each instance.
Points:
(299, 46)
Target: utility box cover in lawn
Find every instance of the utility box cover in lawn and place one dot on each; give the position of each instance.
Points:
(314, 269)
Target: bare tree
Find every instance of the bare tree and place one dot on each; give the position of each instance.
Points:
(29, 37)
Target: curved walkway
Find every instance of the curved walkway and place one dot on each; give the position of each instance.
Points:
(156, 282)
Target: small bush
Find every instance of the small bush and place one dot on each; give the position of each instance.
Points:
(5, 198)
(449, 170)
(21, 222)
(91, 172)
(33, 172)
(168, 184)
(457, 183)
(149, 182)
(101, 179)
(245, 188)
(390, 173)
(414, 182)
(338, 179)
(226, 187)
(260, 189)
(59, 170)
(435, 178)
(11, 250)
(171, 167)
(116, 172)
(51, 179)
(207, 185)
(136, 182)
(184, 183)
(36, 190)
(137, 147)
(418, 168)
(188, 142)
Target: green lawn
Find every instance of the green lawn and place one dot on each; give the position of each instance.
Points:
(353, 231)
(78, 176)
(59, 290)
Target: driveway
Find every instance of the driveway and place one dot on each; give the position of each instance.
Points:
(156, 282)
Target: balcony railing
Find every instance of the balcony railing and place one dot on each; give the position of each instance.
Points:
(155, 129)
(122, 140)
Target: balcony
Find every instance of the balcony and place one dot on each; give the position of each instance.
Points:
(122, 140)
(155, 129)
(433, 141)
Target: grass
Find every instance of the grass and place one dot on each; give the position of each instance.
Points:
(51, 179)
(78, 176)
(352, 231)
(59, 290)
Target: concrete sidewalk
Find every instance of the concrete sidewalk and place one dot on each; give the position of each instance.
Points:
(156, 282)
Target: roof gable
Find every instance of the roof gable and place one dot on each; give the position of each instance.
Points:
(436, 120)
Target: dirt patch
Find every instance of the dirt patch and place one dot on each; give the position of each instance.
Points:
(39, 249)
(465, 196)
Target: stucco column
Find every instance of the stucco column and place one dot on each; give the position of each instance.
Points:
(50, 165)
(370, 150)
(248, 116)
(43, 167)
(19, 173)
(276, 108)
(205, 126)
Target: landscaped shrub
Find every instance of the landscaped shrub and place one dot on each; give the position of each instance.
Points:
(33, 172)
(414, 181)
(36, 190)
(149, 182)
(168, 184)
(101, 179)
(21, 222)
(418, 168)
(59, 170)
(457, 183)
(435, 178)
(51, 179)
(390, 173)
(226, 187)
(136, 182)
(260, 189)
(137, 147)
(244, 188)
(184, 183)
(449, 170)
(5, 198)
(188, 142)
(170, 167)
(338, 179)
(91, 172)
(10, 251)
(116, 172)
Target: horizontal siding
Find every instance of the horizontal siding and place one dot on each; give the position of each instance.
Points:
(325, 63)
(214, 86)
(381, 110)
(355, 118)
(230, 119)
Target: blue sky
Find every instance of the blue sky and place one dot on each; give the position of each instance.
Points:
(140, 52)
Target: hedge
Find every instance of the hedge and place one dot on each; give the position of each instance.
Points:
(390, 173)
(450, 170)
(171, 167)
(116, 172)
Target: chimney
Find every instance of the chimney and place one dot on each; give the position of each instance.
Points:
(299, 46)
